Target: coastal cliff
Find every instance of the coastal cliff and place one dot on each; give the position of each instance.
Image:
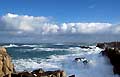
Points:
(112, 51)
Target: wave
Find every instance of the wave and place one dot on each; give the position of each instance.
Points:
(31, 64)
(98, 65)
(11, 45)
(58, 44)
(49, 49)
(72, 49)
(31, 46)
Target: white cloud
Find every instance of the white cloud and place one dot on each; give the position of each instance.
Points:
(116, 29)
(86, 28)
(23, 22)
(43, 25)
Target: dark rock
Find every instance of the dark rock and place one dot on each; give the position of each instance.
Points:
(72, 76)
(109, 45)
(100, 45)
(25, 74)
(112, 51)
(83, 59)
(38, 71)
(22, 74)
(80, 58)
(86, 47)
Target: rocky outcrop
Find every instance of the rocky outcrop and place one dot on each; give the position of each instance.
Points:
(40, 73)
(109, 45)
(112, 51)
(6, 66)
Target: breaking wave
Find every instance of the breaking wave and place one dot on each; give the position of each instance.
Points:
(97, 65)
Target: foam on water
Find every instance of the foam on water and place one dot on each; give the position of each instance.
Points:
(98, 66)
(29, 46)
(11, 45)
(49, 49)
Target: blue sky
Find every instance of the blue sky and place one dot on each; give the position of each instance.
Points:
(65, 10)
(21, 19)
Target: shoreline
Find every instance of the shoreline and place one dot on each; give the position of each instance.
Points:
(111, 50)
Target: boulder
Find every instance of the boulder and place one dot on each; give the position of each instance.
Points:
(6, 66)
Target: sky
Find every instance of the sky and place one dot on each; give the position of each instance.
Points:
(24, 18)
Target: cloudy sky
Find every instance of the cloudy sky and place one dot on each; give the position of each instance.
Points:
(31, 20)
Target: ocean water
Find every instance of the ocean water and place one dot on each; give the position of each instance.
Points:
(51, 56)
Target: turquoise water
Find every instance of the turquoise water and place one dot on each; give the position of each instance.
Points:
(51, 56)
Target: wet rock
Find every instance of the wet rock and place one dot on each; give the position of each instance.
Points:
(6, 66)
(112, 51)
(79, 59)
(40, 73)
(109, 45)
(83, 59)
(86, 47)
(100, 45)
(72, 76)
(25, 74)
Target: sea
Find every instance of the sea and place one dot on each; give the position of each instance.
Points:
(60, 56)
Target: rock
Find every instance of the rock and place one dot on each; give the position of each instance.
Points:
(86, 47)
(83, 59)
(112, 51)
(100, 45)
(40, 73)
(109, 45)
(114, 57)
(40, 70)
(25, 74)
(6, 66)
(79, 58)
(72, 76)
(57, 73)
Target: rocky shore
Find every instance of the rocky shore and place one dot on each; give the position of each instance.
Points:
(7, 69)
(112, 51)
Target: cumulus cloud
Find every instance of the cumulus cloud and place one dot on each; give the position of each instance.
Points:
(86, 28)
(43, 25)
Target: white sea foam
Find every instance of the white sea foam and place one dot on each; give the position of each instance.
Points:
(98, 66)
(71, 49)
(49, 49)
(11, 45)
(59, 44)
(29, 45)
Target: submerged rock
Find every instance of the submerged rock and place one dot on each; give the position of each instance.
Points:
(6, 66)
